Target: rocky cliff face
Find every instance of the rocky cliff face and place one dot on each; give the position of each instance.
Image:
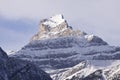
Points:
(55, 27)
(15, 69)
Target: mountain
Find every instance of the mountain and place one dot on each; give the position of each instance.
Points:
(57, 47)
(15, 69)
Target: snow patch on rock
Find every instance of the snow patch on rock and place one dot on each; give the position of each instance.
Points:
(55, 20)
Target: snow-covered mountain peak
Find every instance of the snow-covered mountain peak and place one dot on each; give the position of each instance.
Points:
(55, 27)
(54, 20)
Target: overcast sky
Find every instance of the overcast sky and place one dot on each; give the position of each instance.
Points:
(19, 19)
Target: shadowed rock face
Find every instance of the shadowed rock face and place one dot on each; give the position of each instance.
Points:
(97, 75)
(15, 69)
(3, 60)
(3, 55)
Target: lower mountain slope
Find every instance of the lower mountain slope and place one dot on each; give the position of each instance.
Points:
(15, 69)
(90, 70)
(66, 52)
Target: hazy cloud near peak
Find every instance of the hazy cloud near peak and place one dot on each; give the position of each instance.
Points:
(99, 17)
(14, 34)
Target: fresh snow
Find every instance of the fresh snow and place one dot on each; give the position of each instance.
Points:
(9, 52)
(83, 70)
(89, 37)
(54, 21)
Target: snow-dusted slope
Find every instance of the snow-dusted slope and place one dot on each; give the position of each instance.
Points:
(112, 72)
(90, 70)
(64, 52)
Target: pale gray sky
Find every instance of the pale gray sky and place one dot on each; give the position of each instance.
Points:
(99, 17)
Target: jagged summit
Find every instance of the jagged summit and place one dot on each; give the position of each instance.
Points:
(55, 27)
(54, 21)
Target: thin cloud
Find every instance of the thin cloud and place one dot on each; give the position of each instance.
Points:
(14, 34)
(99, 17)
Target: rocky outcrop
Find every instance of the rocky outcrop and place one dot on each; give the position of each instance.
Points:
(55, 27)
(15, 69)
(70, 73)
